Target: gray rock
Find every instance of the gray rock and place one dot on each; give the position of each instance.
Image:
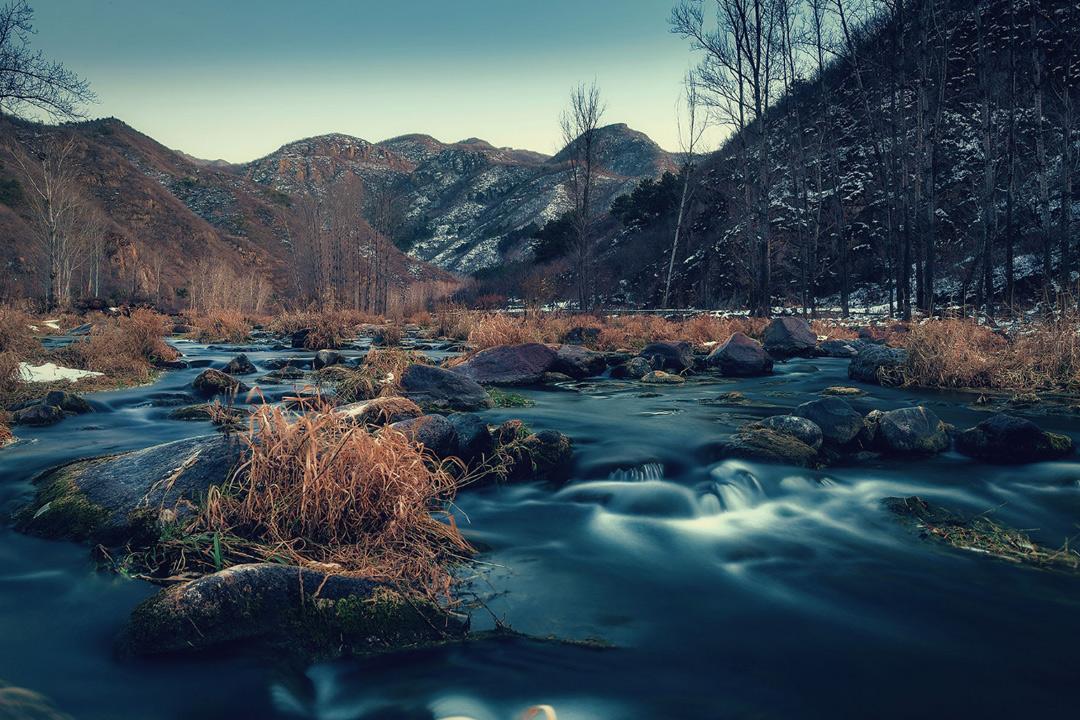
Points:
(789, 337)
(326, 358)
(299, 363)
(839, 422)
(546, 455)
(677, 356)
(659, 377)
(437, 434)
(39, 415)
(634, 369)
(68, 402)
(380, 410)
(877, 364)
(844, 349)
(740, 356)
(755, 442)
(913, 430)
(474, 436)
(1007, 439)
(509, 364)
(212, 382)
(239, 365)
(436, 388)
(798, 427)
(577, 362)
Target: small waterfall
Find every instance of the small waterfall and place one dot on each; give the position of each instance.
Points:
(641, 473)
(734, 487)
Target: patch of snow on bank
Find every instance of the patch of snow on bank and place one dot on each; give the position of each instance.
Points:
(51, 372)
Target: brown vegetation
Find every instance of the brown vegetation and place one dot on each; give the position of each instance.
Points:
(124, 348)
(221, 326)
(379, 374)
(327, 329)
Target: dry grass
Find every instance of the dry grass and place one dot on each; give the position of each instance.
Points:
(221, 326)
(378, 375)
(328, 328)
(832, 330)
(959, 353)
(123, 348)
(389, 335)
(15, 334)
(9, 372)
(319, 489)
(5, 431)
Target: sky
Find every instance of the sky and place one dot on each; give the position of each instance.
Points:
(236, 79)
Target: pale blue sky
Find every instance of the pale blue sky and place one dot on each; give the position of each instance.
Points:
(236, 80)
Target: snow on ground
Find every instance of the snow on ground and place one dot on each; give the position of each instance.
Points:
(51, 372)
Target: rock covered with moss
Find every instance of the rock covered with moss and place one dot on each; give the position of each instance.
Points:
(1008, 439)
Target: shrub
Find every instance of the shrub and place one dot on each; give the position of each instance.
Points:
(15, 334)
(9, 371)
(494, 329)
(5, 431)
(221, 326)
(327, 329)
(832, 330)
(125, 347)
(379, 375)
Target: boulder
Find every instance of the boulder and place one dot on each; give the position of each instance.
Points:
(474, 436)
(380, 411)
(877, 364)
(68, 402)
(756, 442)
(299, 363)
(911, 431)
(285, 605)
(212, 382)
(39, 415)
(299, 338)
(839, 422)
(633, 369)
(797, 427)
(326, 358)
(789, 337)
(581, 336)
(546, 455)
(1008, 439)
(577, 362)
(659, 377)
(436, 388)
(239, 365)
(845, 349)
(509, 364)
(740, 356)
(113, 499)
(677, 356)
(434, 432)
(282, 375)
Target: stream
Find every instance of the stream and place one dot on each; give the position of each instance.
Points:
(723, 588)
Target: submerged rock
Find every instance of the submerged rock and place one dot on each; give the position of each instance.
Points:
(440, 389)
(240, 365)
(509, 364)
(659, 377)
(111, 499)
(284, 605)
(799, 428)
(677, 356)
(545, 455)
(740, 356)
(789, 337)
(1007, 439)
(214, 382)
(68, 402)
(839, 422)
(911, 431)
(877, 364)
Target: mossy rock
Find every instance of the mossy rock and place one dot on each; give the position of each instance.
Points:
(286, 606)
(756, 442)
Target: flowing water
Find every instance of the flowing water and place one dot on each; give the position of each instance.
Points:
(725, 589)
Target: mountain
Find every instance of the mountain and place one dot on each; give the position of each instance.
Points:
(468, 204)
(168, 216)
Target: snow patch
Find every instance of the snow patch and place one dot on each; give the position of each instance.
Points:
(51, 372)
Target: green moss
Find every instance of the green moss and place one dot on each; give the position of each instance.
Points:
(60, 510)
(1060, 444)
(503, 399)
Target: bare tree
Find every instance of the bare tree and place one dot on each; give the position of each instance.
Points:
(28, 79)
(580, 122)
(691, 130)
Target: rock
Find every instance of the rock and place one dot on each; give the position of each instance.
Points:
(877, 364)
(511, 431)
(634, 369)
(659, 377)
(581, 336)
(913, 430)
(299, 338)
(112, 499)
(68, 402)
(509, 364)
(219, 415)
(214, 382)
(326, 358)
(239, 365)
(285, 605)
(838, 349)
(39, 415)
(789, 337)
(474, 437)
(334, 374)
(79, 330)
(677, 356)
(577, 362)
(283, 375)
(1007, 439)
(552, 378)
(841, 391)
(437, 388)
(755, 442)
(547, 455)
(381, 410)
(183, 329)
(300, 363)
(839, 422)
(797, 427)
(740, 356)
(434, 432)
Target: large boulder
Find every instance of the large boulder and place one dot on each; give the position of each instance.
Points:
(435, 388)
(380, 411)
(326, 358)
(677, 356)
(212, 382)
(763, 444)
(474, 437)
(911, 431)
(546, 455)
(239, 365)
(839, 422)
(437, 434)
(877, 364)
(39, 415)
(112, 499)
(845, 349)
(789, 337)
(577, 362)
(740, 356)
(66, 401)
(509, 364)
(799, 428)
(284, 605)
(1005, 438)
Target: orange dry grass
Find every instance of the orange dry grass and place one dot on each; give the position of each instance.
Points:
(379, 374)
(124, 347)
(329, 329)
(319, 489)
(5, 431)
(222, 326)
(15, 334)
(489, 330)
(832, 331)
(9, 371)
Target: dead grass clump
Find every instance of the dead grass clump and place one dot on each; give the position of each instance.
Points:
(319, 489)
(452, 321)
(953, 353)
(1045, 356)
(15, 333)
(5, 431)
(379, 375)
(490, 330)
(325, 329)
(123, 348)
(389, 335)
(831, 330)
(9, 372)
(221, 326)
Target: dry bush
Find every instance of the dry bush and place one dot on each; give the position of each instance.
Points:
(702, 329)
(489, 330)
(319, 489)
(124, 347)
(832, 330)
(5, 431)
(390, 334)
(953, 353)
(328, 329)
(221, 326)
(451, 321)
(9, 371)
(379, 375)
(1045, 356)
(15, 333)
